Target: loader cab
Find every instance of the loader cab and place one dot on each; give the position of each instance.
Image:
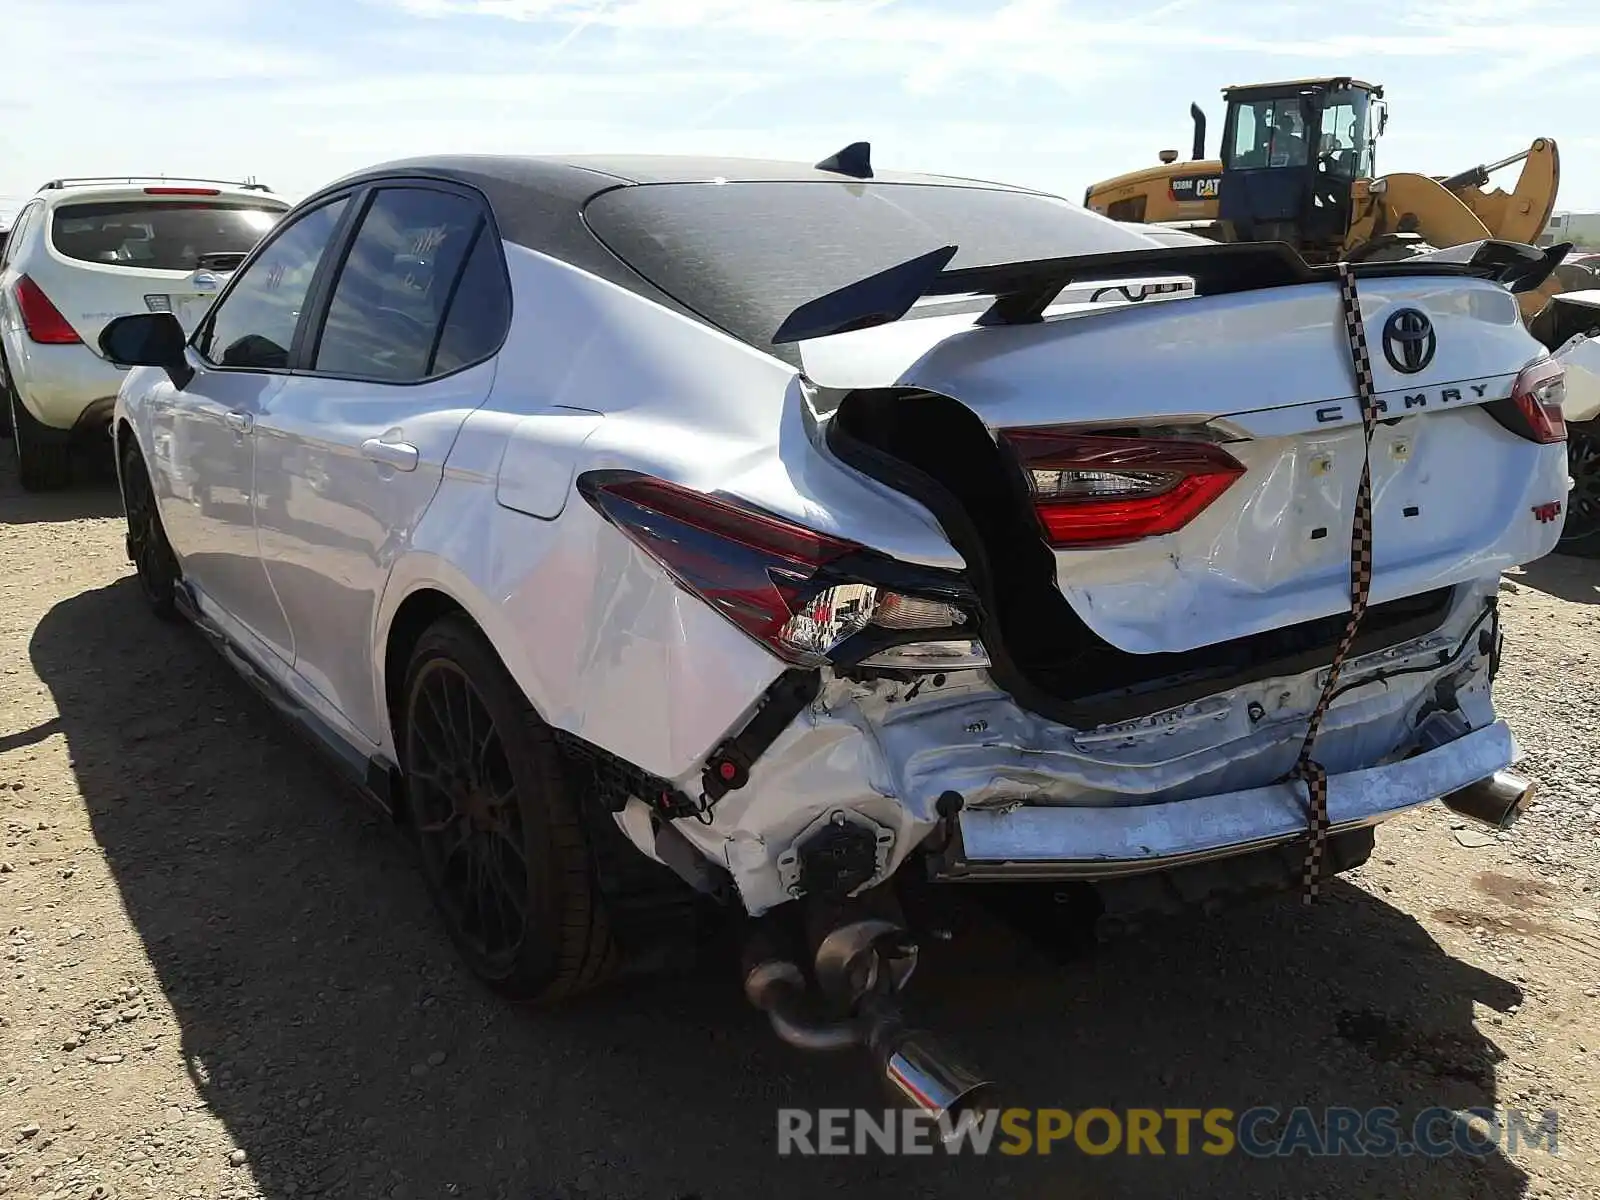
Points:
(1290, 152)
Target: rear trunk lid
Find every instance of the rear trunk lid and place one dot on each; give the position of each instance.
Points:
(1266, 376)
(161, 249)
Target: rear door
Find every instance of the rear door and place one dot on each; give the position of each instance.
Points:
(350, 452)
(153, 249)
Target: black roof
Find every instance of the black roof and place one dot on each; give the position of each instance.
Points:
(539, 201)
(584, 175)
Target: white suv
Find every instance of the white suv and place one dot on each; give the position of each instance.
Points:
(83, 251)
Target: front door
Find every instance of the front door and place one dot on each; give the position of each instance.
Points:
(204, 435)
(201, 470)
(350, 452)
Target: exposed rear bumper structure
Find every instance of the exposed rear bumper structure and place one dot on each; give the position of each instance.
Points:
(1050, 843)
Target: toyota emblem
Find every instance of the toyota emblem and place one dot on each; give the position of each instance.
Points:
(1409, 341)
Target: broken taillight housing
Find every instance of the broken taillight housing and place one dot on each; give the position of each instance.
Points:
(1537, 395)
(1099, 490)
(790, 588)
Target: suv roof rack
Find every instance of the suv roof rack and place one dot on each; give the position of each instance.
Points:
(55, 185)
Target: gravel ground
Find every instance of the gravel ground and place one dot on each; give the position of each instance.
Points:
(221, 978)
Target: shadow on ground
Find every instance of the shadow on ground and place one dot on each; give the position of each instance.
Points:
(1565, 576)
(312, 985)
(92, 492)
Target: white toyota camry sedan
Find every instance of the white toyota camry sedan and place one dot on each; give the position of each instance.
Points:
(650, 533)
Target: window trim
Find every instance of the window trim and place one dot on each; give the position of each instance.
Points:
(22, 225)
(304, 352)
(291, 218)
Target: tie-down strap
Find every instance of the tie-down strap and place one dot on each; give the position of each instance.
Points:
(1307, 769)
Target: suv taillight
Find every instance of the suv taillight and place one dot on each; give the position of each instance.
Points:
(1093, 490)
(42, 319)
(1537, 396)
(790, 588)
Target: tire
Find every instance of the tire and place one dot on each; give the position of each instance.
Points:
(44, 455)
(5, 396)
(1580, 535)
(471, 812)
(155, 565)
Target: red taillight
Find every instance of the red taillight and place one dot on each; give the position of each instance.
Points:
(1092, 490)
(40, 318)
(767, 575)
(182, 191)
(1538, 394)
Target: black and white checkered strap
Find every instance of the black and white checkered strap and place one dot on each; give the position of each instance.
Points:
(1307, 769)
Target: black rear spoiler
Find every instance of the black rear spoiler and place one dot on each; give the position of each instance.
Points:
(1023, 290)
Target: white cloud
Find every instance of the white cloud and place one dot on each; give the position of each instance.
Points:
(1053, 93)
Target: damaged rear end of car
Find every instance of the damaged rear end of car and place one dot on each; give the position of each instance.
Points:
(1157, 508)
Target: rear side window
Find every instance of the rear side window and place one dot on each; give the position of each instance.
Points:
(19, 230)
(479, 312)
(156, 235)
(254, 324)
(388, 308)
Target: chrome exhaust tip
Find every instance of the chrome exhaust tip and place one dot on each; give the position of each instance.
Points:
(862, 968)
(919, 1073)
(1498, 801)
(921, 1076)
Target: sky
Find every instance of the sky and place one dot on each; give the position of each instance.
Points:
(1052, 94)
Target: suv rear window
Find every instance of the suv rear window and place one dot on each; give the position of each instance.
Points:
(746, 255)
(156, 235)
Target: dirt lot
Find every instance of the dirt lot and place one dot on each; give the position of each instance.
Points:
(221, 977)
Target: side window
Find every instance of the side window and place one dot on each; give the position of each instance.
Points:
(1249, 141)
(479, 311)
(254, 324)
(19, 230)
(389, 302)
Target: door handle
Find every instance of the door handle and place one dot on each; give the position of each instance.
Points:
(402, 456)
(239, 422)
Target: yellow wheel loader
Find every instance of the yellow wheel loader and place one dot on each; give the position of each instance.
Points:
(1296, 165)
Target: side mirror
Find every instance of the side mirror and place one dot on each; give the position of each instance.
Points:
(153, 339)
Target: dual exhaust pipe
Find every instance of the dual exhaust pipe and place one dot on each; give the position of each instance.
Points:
(1497, 802)
(861, 966)
(854, 967)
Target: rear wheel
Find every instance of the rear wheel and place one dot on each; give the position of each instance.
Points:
(1581, 533)
(148, 549)
(5, 396)
(502, 846)
(44, 455)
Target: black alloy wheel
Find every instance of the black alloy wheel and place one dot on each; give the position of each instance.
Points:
(155, 566)
(497, 828)
(1581, 533)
